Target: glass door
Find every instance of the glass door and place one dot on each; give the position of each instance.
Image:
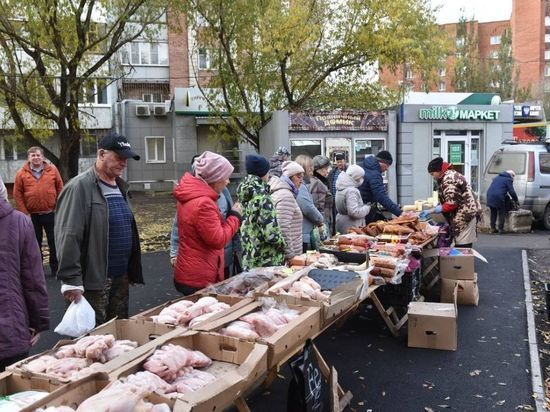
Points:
(335, 145)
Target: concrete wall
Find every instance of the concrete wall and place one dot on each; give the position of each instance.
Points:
(274, 134)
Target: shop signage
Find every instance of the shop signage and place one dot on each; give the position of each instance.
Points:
(338, 120)
(456, 113)
(455, 154)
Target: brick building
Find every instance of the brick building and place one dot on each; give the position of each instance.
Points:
(530, 28)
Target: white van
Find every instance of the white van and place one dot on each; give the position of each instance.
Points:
(531, 162)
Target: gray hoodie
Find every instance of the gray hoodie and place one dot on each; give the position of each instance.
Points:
(349, 205)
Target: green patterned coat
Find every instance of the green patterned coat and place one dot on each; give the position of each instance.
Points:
(261, 237)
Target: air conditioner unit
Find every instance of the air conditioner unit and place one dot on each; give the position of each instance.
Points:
(160, 110)
(142, 110)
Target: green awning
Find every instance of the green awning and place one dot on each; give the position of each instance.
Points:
(478, 98)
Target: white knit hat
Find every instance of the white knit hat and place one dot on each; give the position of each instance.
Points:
(291, 168)
(511, 173)
(355, 172)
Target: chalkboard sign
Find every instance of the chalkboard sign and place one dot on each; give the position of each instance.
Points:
(309, 390)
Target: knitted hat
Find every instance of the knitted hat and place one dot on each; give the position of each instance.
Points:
(355, 172)
(291, 168)
(511, 173)
(282, 151)
(320, 161)
(256, 165)
(435, 165)
(385, 157)
(212, 167)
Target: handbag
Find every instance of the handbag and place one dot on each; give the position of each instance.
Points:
(509, 203)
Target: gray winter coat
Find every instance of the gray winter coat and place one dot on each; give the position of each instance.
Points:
(82, 234)
(349, 205)
(289, 216)
(322, 199)
(24, 297)
(311, 216)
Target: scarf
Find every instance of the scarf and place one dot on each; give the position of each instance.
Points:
(293, 187)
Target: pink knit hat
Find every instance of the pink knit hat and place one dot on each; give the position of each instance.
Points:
(213, 167)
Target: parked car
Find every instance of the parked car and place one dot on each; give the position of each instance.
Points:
(531, 162)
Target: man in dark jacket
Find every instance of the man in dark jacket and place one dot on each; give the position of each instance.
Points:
(501, 187)
(373, 190)
(24, 303)
(96, 234)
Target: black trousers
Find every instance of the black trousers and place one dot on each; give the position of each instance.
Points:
(501, 218)
(45, 223)
(185, 289)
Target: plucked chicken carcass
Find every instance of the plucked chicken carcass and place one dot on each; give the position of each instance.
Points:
(117, 396)
(240, 329)
(197, 309)
(192, 381)
(65, 367)
(168, 360)
(40, 364)
(149, 382)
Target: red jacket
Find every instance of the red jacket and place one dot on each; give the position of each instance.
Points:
(37, 195)
(203, 233)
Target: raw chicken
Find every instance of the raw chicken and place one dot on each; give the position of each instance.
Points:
(66, 351)
(168, 360)
(181, 305)
(290, 314)
(117, 350)
(196, 310)
(264, 326)
(56, 409)
(216, 307)
(239, 329)
(149, 382)
(40, 364)
(276, 316)
(310, 282)
(119, 397)
(302, 288)
(165, 319)
(65, 367)
(92, 346)
(201, 318)
(143, 406)
(192, 381)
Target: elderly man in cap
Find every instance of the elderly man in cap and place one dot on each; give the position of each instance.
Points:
(373, 190)
(458, 204)
(96, 235)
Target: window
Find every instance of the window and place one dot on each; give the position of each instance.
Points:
(544, 161)
(496, 39)
(460, 41)
(205, 62)
(442, 72)
(154, 97)
(547, 55)
(547, 38)
(155, 149)
(493, 54)
(547, 70)
(94, 91)
(408, 74)
(367, 147)
(308, 147)
(10, 150)
(502, 161)
(152, 54)
(442, 86)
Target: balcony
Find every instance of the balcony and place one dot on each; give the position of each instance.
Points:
(547, 55)
(547, 21)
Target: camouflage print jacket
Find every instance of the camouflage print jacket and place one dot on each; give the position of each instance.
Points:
(261, 237)
(455, 190)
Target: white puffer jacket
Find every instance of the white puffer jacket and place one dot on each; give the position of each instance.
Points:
(289, 216)
(349, 205)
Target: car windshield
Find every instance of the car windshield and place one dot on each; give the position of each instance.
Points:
(503, 161)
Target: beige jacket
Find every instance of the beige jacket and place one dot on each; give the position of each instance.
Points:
(289, 216)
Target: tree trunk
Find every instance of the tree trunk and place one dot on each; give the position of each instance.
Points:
(69, 154)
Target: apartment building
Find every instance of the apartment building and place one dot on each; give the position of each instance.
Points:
(530, 28)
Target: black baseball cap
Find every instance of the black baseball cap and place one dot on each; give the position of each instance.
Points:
(119, 144)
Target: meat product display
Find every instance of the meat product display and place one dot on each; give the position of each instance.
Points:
(383, 262)
(117, 396)
(240, 329)
(397, 229)
(192, 381)
(185, 312)
(149, 382)
(39, 365)
(246, 282)
(65, 367)
(57, 409)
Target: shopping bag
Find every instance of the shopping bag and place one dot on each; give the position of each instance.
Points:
(309, 390)
(78, 319)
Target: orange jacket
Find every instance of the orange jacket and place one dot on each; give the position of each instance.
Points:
(37, 195)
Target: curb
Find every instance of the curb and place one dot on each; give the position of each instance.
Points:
(536, 375)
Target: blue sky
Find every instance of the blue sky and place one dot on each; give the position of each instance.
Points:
(482, 10)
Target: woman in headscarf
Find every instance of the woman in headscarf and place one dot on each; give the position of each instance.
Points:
(312, 217)
(203, 230)
(349, 204)
(284, 191)
(320, 192)
(261, 237)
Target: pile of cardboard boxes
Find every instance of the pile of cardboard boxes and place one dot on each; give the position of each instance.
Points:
(434, 324)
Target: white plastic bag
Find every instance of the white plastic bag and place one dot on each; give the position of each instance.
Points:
(78, 319)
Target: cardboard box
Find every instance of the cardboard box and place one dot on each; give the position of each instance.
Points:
(433, 325)
(137, 330)
(12, 382)
(341, 299)
(239, 364)
(467, 291)
(460, 267)
(286, 341)
(73, 394)
(235, 302)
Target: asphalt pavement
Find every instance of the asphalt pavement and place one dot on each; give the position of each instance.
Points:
(490, 369)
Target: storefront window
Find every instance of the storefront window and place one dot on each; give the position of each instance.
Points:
(311, 147)
(474, 163)
(367, 147)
